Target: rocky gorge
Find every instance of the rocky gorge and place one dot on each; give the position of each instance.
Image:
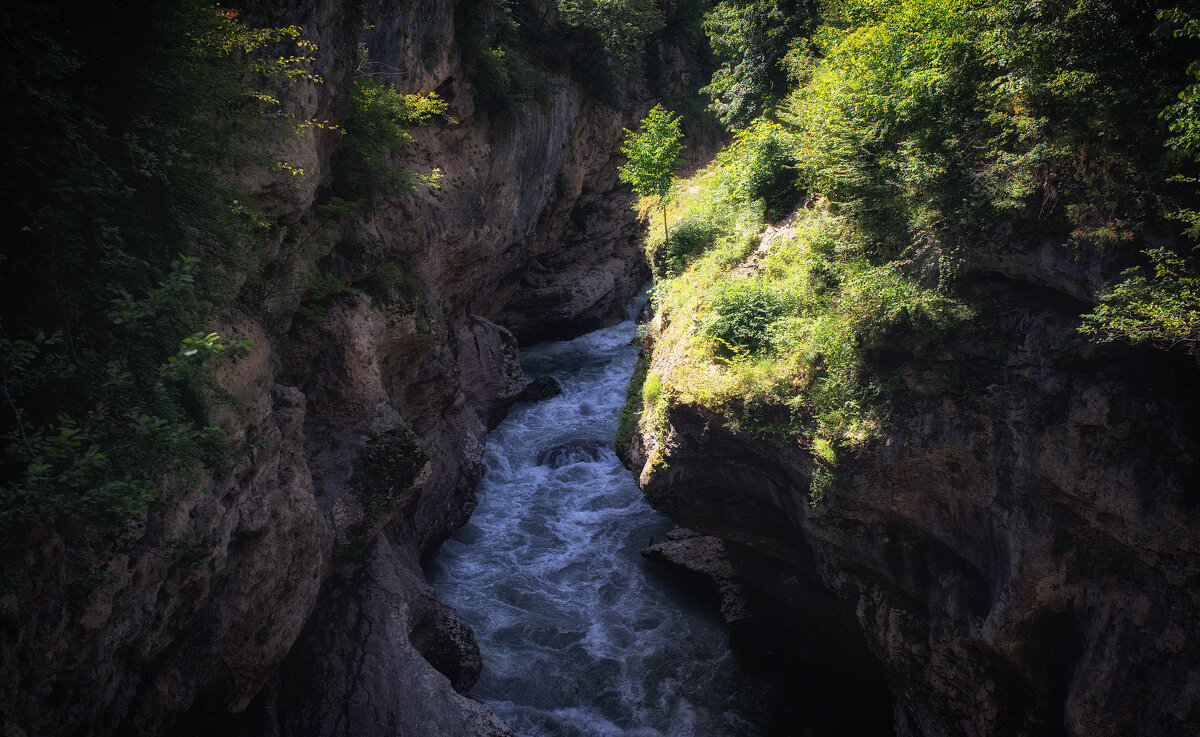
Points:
(1015, 555)
(274, 572)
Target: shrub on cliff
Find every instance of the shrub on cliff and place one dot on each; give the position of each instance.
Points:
(376, 132)
(385, 470)
(739, 313)
(120, 125)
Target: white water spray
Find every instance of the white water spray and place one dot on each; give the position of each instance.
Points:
(579, 634)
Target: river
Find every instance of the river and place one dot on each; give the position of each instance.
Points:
(580, 635)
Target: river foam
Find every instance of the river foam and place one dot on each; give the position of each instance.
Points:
(580, 635)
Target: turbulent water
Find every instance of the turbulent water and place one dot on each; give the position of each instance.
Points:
(580, 635)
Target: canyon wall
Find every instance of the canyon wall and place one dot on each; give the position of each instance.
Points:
(301, 559)
(1019, 554)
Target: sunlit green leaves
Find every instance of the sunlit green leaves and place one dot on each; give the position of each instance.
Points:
(751, 39)
(376, 131)
(652, 154)
(1163, 309)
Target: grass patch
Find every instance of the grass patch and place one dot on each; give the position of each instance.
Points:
(776, 335)
(631, 412)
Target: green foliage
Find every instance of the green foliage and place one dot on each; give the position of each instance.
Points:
(653, 154)
(778, 337)
(376, 132)
(387, 466)
(503, 78)
(760, 165)
(498, 39)
(622, 25)
(1163, 310)
(751, 39)
(631, 411)
(319, 287)
(1183, 114)
(882, 114)
(912, 128)
(102, 467)
(690, 239)
(384, 472)
(120, 231)
(394, 287)
(652, 157)
(652, 389)
(513, 49)
(740, 312)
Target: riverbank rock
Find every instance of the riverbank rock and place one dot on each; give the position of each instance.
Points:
(367, 663)
(1018, 553)
(703, 557)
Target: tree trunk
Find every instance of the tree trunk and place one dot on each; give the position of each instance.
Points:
(666, 239)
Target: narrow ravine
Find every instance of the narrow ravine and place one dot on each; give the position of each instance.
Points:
(580, 635)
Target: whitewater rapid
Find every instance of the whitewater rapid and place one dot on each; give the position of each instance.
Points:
(580, 635)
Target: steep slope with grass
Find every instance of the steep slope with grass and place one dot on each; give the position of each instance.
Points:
(877, 372)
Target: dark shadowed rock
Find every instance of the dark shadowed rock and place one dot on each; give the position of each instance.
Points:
(1020, 562)
(578, 451)
(541, 388)
(381, 657)
(702, 558)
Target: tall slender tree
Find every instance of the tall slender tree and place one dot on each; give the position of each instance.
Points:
(653, 156)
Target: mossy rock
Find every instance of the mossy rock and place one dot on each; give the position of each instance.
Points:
(387, 466)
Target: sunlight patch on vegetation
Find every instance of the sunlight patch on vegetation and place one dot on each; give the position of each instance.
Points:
(824, 247)
(774, 332)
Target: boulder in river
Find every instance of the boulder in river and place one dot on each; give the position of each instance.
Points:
(541, 388)
(576, 451)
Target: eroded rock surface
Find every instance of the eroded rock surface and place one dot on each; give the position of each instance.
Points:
(1020, 553)
(703, 557)
(181, 621)
(389, 619)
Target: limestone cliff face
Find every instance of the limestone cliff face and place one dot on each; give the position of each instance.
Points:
(276, 559)
(1020, 555)
(529, 235)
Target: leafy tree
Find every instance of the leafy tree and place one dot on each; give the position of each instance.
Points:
(622, 25)
(1163, 310)
(375, 132)
(751, 38)
(653, 156)
(1184, 113)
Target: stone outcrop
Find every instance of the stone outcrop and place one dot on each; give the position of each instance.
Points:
(704, 558)
(410, 652)
(279, 557)
(1019, 554)
(540, 389)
